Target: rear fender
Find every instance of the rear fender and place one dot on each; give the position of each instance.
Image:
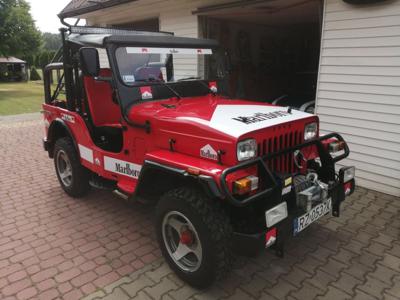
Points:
(58, 129)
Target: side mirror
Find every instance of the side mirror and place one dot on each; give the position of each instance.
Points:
(90, 62)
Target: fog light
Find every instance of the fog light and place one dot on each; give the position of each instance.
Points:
(346, 174)
(276, 214)
(245, 185)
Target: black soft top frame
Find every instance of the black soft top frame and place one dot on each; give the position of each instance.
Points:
(100, 37)
(167, 41)
(112, 31)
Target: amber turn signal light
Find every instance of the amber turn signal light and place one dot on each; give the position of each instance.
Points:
(245, 185)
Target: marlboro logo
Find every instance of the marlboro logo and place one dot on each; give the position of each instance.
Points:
(126, 169)
(213, 87)
(122, 167)
(270, 237)
(208, 152)
(68, 118)
(146, 93)
(259, 117)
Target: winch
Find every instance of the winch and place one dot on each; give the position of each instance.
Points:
(315, 193)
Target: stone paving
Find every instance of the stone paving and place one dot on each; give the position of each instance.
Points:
(52, 246)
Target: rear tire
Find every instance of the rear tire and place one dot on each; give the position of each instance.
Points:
(209, 252)
(73, 177)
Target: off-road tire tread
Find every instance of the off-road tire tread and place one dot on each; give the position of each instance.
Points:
(217, 223)
(80, 187)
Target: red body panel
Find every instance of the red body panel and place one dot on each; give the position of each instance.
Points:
(166, 124)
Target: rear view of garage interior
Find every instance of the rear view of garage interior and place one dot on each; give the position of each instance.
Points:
(273, 48)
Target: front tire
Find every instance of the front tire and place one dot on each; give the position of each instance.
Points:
(73, 177)
(194, 236)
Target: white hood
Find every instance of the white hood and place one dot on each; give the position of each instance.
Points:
(237, 120)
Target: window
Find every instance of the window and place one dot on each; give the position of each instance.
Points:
(141, 64)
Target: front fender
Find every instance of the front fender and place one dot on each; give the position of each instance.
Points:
(181, 167)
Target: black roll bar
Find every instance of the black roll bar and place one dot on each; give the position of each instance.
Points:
(68, 72)
(47, 82)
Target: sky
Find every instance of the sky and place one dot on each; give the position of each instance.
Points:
(45, 14)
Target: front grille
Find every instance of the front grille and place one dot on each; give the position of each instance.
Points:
(283, 163)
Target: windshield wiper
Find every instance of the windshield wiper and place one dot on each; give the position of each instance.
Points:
(153, 79)
(199, 81)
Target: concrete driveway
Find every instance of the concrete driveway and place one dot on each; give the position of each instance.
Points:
(52, 246)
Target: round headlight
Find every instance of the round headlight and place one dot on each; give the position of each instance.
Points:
(246, 149)
(310, 131)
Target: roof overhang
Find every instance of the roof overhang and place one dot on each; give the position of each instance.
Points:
(76, 8)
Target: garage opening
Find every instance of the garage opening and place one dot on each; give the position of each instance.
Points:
(272, 48)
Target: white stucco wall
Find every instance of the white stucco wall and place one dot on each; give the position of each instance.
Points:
(359, 87)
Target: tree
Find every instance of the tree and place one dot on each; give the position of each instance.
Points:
(18, 33)
(52, 41)
(35, 75)
(30, 59)
(44, 58)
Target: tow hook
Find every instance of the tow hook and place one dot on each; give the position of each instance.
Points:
(279, 249)
(338, 195)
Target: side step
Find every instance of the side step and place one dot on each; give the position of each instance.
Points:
(102, 184)
(122, 189)
(121, 195)
(130, 198)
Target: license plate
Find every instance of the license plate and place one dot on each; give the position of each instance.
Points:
(313, 215)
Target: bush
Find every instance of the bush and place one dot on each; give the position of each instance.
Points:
(35, 75)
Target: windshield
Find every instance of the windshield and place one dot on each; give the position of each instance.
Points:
(140, 64)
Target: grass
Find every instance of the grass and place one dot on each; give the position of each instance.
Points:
(21, 97)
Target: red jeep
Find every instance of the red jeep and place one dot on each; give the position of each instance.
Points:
(225, 174)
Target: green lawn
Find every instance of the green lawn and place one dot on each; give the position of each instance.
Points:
(19, 98)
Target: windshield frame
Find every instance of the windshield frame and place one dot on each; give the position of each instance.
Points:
(127, 95)
(209, 52)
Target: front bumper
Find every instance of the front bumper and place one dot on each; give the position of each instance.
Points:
(250, 244)
(272, 195)
(327, 171)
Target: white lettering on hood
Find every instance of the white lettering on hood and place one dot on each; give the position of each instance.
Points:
(236, 120)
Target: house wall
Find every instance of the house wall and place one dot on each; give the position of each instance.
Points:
(174, 15)
(358, 93)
